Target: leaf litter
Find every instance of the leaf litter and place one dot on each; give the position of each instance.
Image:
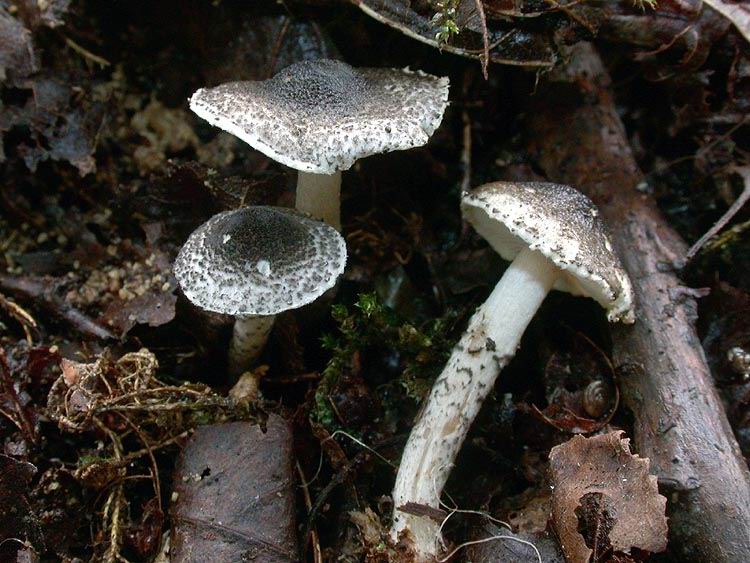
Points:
(605, 503)
(120, 134)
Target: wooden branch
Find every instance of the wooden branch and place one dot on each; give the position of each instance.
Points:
(41, 291)
(680, 424)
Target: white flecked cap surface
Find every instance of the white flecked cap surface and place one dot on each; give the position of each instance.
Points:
(321, 116)
(561, 223)
(259, 261)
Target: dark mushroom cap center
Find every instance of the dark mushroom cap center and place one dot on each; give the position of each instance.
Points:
(321, 85)
(254, 235)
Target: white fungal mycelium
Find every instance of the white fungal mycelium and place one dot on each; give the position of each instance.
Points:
(319, 117)
(554, 238)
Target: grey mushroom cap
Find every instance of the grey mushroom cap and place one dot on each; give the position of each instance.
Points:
(561, 223)
(321, 116)
(259, 261)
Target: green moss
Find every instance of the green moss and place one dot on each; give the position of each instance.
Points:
(422, 349)
(445, 20)
(88, 459)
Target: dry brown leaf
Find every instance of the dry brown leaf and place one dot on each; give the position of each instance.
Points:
(154, 308)
(604, 501)
(234, 495)
(506, 45)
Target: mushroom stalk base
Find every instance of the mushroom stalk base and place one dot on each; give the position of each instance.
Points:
(248, 339)
(319, 195)
(490, 341)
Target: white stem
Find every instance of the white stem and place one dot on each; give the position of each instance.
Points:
(320, 196)
(490, 341)
(248, 339)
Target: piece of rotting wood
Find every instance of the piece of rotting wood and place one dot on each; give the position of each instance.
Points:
(578, 138)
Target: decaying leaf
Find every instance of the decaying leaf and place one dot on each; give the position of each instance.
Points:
(510, 45)
(235, 495)
(604, 501)
(596, 517)
(62, 125)
(18, 56)
(154, 308)
(60, 128)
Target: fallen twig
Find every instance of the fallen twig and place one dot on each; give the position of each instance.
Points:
(680, 423)
(26, 321)
(743, 171)
(727, 237)
(485, 59)
(86, 54)
(42, 291)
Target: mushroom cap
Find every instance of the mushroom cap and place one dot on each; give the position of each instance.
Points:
(561, 223)
(321, 116)
(259, 261)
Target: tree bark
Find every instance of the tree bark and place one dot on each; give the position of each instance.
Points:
(577, 138)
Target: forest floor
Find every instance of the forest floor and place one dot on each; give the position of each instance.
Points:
(106, 370)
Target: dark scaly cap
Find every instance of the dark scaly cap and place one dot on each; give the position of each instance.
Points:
(259, 261)
(322, 116)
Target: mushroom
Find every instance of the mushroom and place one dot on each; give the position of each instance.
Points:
(554, 238)
(321, 116)
(254, 263)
